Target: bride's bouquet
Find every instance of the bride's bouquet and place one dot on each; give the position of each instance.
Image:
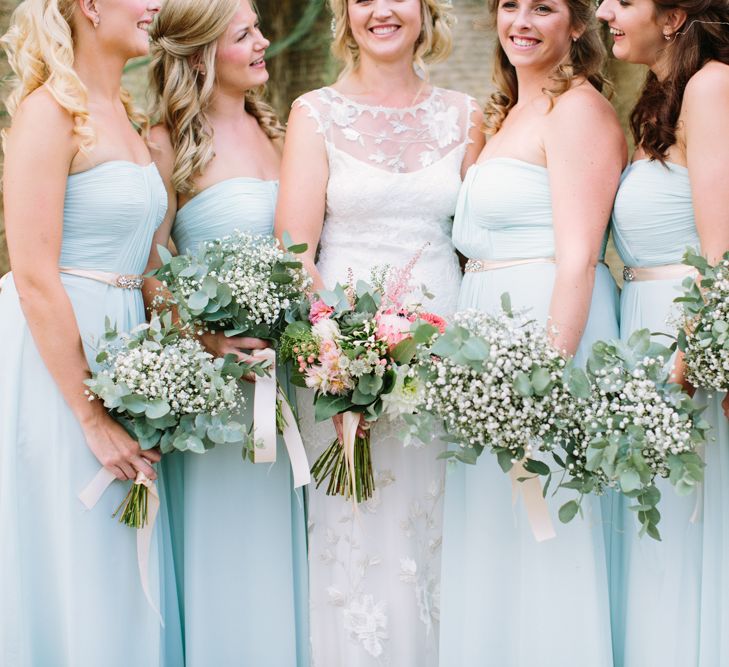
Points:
(167, 392)
(352, 345)
(704, 328)
(243, 285)
(633, 426)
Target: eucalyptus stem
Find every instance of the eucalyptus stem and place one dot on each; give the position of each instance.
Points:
(134, 507)
(332, 467)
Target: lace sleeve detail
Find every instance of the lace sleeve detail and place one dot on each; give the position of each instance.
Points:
(315, 110)
(472, 107)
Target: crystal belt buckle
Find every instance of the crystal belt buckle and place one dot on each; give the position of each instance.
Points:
(628, 274)
(129, 282)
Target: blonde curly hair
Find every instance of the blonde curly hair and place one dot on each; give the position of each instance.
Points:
(40, 49)
(433, 46)
(184, 44)
(586, 60)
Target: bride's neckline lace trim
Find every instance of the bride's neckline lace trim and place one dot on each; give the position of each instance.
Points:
(377, 108)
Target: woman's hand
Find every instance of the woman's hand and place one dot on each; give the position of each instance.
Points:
(117, 451)
(725, 405)
(219, 344)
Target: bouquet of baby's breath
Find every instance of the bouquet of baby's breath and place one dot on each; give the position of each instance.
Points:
(168, 392)
(631, 425)
(240, 284)
(495, 381)
(704, 329)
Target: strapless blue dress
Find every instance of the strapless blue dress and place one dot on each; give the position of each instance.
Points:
(507, 600)
(239, 528)
(670, 598)
(70, 589)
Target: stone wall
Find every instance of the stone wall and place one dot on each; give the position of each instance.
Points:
(308, 64)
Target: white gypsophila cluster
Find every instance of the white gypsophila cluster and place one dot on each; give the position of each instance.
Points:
(180, 373)
(483, 407)
(707, 359)
(626, 400)
(247, 267)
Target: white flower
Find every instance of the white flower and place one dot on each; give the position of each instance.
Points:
(326, 329)
(336, 597)
(408, 570)
(342, 113)
(444, 125)
(407, 394)
(366, 623)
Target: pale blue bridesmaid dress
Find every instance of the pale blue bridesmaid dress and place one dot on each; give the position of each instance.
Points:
(70, 588)
(508, 600)
(243, 539)
(671, 602)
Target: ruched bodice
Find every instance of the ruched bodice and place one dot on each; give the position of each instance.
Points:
(245, 204)
(653, 218)
(505, 211)
(109, 216)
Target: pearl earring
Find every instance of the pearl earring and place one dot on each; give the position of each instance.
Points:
(667, 37)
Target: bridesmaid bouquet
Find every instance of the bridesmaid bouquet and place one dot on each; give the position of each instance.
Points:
(704, 328)
(243, 285)
(167, 392)
(495, 381)
(632, 426)
(352, 345)
(240, 284)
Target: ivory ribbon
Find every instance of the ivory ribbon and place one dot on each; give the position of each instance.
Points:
(91, 495)
(349, 437)
(664, 272)
(477, 265)
(699, 506)
(264, 410)
(294, 445)
(534, 503)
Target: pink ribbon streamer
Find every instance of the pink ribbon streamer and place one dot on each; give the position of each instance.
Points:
(534, 503)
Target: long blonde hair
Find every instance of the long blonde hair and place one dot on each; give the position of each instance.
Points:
(587, 58)
(40, 49)
(184, 44)
(433, 46)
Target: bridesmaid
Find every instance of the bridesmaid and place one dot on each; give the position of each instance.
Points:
(371, 172)
(532, 218)
(239, 527)
(672, 606)
(80, 193)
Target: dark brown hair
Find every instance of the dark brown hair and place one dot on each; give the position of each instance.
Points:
(702, 38)
(587, 57)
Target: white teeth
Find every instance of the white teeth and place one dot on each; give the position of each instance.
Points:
(257, 62)
(385, 30)
(615, 31)
(524, 42)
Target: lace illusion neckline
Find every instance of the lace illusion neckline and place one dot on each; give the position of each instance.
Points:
(378, 108)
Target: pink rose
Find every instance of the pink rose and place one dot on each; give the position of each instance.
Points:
(319, 311)
(435, 320)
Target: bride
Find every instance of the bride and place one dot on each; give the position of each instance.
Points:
(371, 172)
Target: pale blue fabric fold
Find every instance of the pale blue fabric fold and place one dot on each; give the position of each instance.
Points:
(71, 590)
(508, 600)
(240, 530)
(670, 598)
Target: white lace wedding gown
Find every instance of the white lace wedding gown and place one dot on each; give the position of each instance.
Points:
(393, 186)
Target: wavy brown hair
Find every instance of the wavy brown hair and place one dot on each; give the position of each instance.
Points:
(586, 60)
(184, 43)
(702, 38)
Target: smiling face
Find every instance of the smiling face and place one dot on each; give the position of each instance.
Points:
(385, 30)
(239, 61)
(638, 37)
(124, 24)
(535, 34)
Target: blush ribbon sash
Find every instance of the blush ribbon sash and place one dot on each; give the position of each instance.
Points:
(91, 495)
(534, 502)
(266, 393)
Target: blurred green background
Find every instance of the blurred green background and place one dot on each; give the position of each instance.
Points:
(299, 60)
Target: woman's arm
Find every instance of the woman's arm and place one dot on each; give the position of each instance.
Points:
(585, 150)
(706, 108)
(302, 195)
(38, 154)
